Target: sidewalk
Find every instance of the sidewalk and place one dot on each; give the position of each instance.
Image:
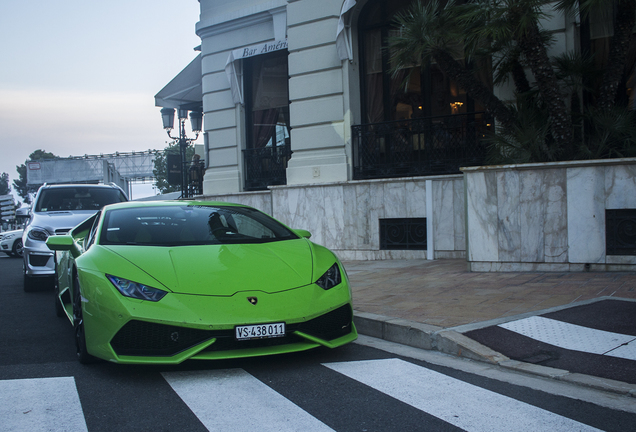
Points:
(430, 304)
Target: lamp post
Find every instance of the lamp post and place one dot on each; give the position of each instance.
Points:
(196, 120)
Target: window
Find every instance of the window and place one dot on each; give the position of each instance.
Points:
(267, 116)
(188, 225)
(267, 100)
(428, 92)
(73, 198)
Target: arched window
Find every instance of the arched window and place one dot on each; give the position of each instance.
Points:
(428, 93)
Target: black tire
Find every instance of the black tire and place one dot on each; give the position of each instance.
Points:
(16, 250)
(78, 322)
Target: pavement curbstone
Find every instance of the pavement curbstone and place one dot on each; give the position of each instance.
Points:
(370, 324)
(598, 383)
(534, 369)
(396, 330)
(451, 342)
(410, 333)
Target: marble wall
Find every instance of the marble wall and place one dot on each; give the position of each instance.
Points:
(345, 216)
(546, 217)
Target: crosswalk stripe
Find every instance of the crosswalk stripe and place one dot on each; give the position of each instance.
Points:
(462, 404)
(40, 404)
(233, 400)
(575, 337)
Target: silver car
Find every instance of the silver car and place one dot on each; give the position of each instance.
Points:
(56, 209)
(11, 242)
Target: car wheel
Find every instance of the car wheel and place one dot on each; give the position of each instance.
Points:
(78, 322)
(17, 248)
(59, 309)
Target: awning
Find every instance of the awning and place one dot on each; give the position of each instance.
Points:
(184, 91)
(234, 68)
(343, 31)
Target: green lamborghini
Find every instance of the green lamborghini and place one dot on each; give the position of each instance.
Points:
(167, 281)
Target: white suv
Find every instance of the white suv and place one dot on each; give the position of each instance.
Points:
(56, 209)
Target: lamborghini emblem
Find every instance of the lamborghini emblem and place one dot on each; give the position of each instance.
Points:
(252, 300)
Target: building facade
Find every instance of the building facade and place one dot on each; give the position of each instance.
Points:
(303, 119)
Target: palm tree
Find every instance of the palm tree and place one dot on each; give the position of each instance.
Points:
(509, 32)
(619, 47)
(430, 31)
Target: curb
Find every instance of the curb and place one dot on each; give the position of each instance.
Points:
(430, 337)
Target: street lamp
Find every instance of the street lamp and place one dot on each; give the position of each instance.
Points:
(196, 120)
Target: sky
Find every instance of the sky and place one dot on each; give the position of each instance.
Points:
(79, 77)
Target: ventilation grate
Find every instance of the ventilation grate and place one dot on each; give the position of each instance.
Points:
(403, 234)
(620, 232)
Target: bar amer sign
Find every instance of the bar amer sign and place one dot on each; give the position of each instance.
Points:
(260, 49)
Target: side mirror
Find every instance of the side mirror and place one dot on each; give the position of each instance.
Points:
(303, 233)
(63, 243)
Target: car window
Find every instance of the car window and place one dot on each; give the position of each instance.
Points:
(77, 198)
(190, 225)
(90, 239)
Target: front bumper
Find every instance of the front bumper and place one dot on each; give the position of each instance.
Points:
(38, 258)
(181, 327)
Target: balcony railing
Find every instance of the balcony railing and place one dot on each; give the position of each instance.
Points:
(266, 166)
(419, 147)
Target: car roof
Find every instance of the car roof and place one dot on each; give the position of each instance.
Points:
(139, 204)
(75, 185)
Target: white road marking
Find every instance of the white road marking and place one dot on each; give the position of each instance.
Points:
(464, 405)
(40, 404)
(233, 400)
(575, 337)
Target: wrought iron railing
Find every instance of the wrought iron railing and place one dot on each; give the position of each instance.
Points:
(418, 147)
(266, 166)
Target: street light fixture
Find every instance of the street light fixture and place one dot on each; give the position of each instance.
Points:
(196, 120)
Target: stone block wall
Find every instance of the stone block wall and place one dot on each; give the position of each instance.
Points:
(345, 217)
(546, 217)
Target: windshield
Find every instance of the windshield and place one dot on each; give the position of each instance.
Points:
(190, 225)
(77, 198)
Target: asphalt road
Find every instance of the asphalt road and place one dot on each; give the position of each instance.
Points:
(354, 388)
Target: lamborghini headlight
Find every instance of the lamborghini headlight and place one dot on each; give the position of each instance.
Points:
(136, 290)
(331, 278)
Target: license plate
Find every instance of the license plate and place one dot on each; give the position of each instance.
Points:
(260, 331)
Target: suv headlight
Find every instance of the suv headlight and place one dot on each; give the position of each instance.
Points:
(136, 290)
(38, 234)
(331, 278)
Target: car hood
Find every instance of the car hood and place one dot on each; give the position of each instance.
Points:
(224, 269)
(60, 222)
(16, 233)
